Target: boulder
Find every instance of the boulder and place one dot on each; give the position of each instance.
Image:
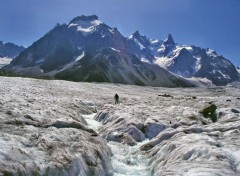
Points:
(209, 111)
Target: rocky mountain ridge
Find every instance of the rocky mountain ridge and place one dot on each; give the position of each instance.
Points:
(10, 50)
(86, 49)
(238, 69)
(191, 61)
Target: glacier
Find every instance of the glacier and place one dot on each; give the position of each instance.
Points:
(53, 127)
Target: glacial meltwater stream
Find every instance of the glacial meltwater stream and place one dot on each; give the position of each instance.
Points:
(127, 160)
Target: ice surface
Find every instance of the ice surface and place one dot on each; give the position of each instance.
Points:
(188, 144)
(43, 129)
(43, 133)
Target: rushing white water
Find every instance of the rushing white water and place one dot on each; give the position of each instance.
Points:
(95, 125)
(127, 160)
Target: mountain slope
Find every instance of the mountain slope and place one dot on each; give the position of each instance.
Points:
(238, 70)
(113, 66)
(142, 47)
(191, 61)
(88, 50)
(10, 50)
(88, 43)
(65, 43)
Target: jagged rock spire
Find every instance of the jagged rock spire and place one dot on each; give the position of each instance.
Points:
(142, 39)
(136, 34)
(169, 41)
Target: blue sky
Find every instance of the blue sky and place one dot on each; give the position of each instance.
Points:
(207, 23)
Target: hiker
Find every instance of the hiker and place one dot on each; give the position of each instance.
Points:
(116, 98)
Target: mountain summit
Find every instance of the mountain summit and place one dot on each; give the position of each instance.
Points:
(10, 50)
(169, 42)
(83, 18)
(87, 49)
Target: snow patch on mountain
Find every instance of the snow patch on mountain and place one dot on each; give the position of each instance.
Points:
(144, 60)
(154, 41)
(39, 61)
(139, 44)
(211, 52)
(4, 61)
(85, 26)
(177, 49)
(114, 49)
(163, 61)
(198, 64)
(224, 75)
(238, 69)
(111, 30)
(80, 57)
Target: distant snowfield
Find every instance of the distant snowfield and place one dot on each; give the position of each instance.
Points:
(153, 131)
(163, 61)
(4, 61)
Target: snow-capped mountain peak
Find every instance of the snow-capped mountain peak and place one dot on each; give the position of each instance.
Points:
(85, 24)
(83, 18)
(86, 44)
(167, 47)
(138, 35)
(211, 52)
(141, 40)
(169, 41)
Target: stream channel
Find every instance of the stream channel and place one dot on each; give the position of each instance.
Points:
(126, 160)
